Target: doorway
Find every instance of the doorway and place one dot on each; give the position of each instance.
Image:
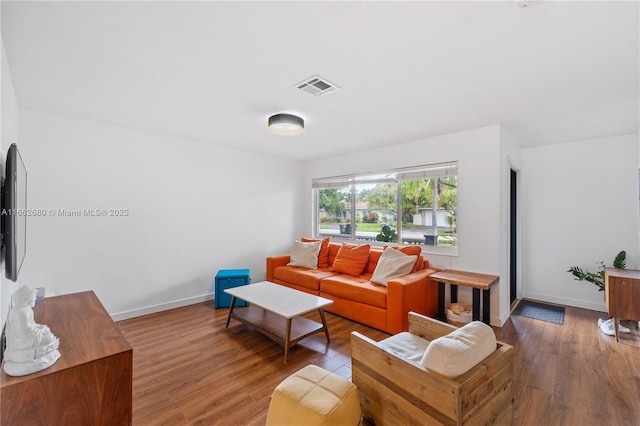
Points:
(513, 237)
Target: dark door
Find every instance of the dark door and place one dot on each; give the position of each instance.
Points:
(513, 234)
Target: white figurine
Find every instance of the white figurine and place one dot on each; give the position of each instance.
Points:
(31, 347)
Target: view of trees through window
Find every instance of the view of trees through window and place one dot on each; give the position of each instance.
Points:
(409, 206)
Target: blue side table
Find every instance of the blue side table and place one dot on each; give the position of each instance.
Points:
(229, 278)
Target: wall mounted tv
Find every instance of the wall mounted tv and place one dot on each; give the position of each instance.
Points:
(14, 213)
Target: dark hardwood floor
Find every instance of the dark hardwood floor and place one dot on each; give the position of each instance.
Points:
(189, 370)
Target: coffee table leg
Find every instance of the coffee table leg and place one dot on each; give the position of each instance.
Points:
(287, 338)
(233, 303)
(324, 324)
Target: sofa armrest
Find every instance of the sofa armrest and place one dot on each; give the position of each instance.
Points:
(413, 277)
(274, 261)
(412, 292)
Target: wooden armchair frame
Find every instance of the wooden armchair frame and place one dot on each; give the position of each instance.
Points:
(394, 390)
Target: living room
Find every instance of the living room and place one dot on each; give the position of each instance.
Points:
(112, 110)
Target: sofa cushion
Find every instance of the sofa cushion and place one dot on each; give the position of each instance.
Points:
(358, 289)
(457, 352)
(406, 345)
(374, 257)
(351, 259)
(323, 254)
(307, 278)
(305, 255)
(413, 250)
(333, 252)
(392, 264)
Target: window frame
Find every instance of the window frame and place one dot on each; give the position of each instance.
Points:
(396, 176)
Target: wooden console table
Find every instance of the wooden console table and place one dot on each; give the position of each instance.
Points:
(91, 382)
(468, 279)
(622, 295)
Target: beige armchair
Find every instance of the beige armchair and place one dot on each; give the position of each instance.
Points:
(395, 390)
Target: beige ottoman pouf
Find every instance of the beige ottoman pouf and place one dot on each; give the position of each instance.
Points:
(314, 396)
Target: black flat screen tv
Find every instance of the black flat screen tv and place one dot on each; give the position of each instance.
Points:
(14, 213)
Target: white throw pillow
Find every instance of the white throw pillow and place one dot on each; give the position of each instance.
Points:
(305, 255)
(458, 351)
(392, 264)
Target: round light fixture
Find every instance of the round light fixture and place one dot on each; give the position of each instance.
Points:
(286, 124)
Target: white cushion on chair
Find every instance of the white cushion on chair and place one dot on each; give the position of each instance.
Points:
(406, 345)
(457, 352)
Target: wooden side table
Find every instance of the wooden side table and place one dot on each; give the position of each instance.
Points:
(622, 295)
(468, 279)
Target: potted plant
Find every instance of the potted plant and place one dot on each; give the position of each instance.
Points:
(597, 278)
(387, 234)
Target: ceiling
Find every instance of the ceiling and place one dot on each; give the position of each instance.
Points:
(215, 71)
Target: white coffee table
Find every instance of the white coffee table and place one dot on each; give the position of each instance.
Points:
(276, 310)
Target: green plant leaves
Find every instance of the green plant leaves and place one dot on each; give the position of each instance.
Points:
(597, 278)
(387, 234)
(620, 260)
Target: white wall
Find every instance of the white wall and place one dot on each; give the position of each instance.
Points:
(480, 165)
(8, 135)
(194, 208)
(572, 191)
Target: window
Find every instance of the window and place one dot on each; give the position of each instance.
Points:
(416, 205)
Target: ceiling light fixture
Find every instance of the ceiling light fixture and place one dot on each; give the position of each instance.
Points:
(286, 124)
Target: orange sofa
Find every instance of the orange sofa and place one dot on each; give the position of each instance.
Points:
(356, 297)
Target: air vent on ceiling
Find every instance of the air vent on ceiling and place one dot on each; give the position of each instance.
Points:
(317, 86)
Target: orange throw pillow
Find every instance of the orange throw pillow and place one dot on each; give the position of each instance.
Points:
(323, 255)
(412, 251)
(351, 259)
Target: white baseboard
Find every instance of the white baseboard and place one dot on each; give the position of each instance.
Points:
(600, 307)
(119, 316)
(503, 319)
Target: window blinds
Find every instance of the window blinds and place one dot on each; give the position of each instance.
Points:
(409, 173)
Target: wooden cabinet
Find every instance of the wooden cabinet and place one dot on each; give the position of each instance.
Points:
(91, 383)
(622, 295)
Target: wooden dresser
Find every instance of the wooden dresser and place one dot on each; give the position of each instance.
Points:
(91, 383)
(622, 295)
